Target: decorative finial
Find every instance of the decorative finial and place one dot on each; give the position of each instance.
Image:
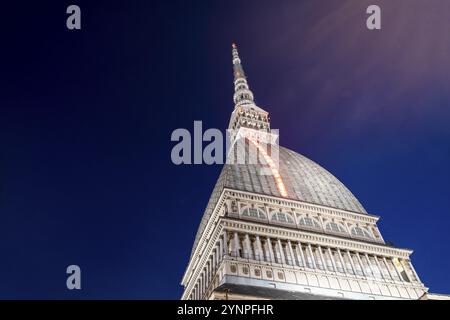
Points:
(234, 45)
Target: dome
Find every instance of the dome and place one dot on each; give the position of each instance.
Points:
(304, 180)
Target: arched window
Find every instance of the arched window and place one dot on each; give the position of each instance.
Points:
(360, 232)
(253, 213)
(335, 227)
(282, 217)
(309, 222)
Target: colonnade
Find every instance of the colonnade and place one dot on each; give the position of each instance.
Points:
(287, 253)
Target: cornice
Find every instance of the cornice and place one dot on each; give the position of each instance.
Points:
(302, 205)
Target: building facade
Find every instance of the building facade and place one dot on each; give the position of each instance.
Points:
(286, 228)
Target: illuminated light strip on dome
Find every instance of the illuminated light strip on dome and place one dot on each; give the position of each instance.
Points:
(278, 180)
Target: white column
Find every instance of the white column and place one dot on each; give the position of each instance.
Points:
(212, 266)
(217, 258)
(208, 272)
(302, 256)
(220, 250)
(206, 280)
(214, 261)
(225, 243)
(236, 244)
(203, 286)
(360, 263)
(396, 270)
(269, 247)
(211, 269)
(388, 269)
(259, 248)
(351, 262)
(413, 270)
(248, 247)
(370, 266)
(312, 256)
(218, 261)
(291, 253)
(276, 251)
(321, 258)
(406, 270)
(343, 264)
(332, 259)
(280, 247)
(379, 267)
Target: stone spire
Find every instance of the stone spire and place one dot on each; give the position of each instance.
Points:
(246, 113)
(242, 93)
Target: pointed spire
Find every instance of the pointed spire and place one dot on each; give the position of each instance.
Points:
(246, 113)
(242, 93)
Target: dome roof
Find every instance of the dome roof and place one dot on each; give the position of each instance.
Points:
(304, 180)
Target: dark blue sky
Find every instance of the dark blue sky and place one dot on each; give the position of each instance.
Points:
(86, 118)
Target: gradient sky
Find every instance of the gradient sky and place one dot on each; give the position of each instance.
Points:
(86, 118)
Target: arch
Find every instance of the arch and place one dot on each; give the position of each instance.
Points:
(253, 213)
(360, 232)
(335, 227)
(282, 217)
(309, 222)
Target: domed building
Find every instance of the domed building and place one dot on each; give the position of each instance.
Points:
(283, 227)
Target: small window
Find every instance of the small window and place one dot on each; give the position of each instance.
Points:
(335, 227)
(360, 232)
(253, 213)
(282, 217)
(309, 222)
